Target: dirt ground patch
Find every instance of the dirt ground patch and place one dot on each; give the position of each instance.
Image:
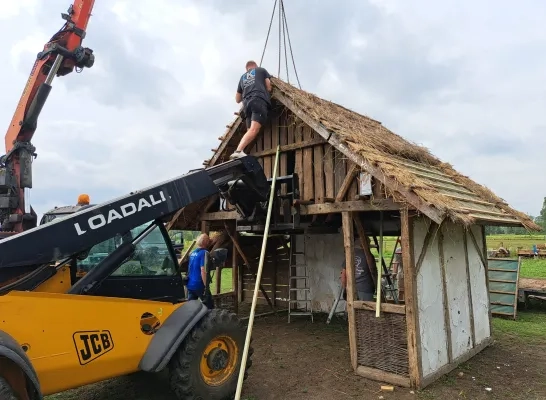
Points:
(534, 284)
(311, 362)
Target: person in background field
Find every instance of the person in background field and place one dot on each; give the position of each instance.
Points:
(83, 200)
(363, 278)
(253, 90)
(197, 264)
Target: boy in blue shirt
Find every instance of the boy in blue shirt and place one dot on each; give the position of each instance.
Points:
(197, 273)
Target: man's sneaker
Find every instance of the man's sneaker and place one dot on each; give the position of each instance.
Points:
(237, 154)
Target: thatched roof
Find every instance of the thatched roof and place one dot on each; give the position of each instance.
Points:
(410, 172)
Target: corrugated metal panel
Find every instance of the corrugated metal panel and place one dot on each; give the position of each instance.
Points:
(503, 285)
(467, 201)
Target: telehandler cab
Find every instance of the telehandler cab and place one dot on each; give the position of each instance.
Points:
(128, 313)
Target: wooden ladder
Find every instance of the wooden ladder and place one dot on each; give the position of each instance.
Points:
(299, 290)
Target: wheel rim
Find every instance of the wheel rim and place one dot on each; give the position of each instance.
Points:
(219, 360)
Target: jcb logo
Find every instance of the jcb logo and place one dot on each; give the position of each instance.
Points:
(90, 345)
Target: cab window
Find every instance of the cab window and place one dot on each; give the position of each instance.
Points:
(151, 256)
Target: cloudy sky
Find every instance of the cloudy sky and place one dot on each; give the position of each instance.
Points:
(464, 78)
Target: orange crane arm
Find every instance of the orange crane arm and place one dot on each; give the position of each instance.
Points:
(60, 56)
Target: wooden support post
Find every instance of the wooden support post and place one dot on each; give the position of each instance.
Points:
(469, 288)
(348, 242)
(218, 275)
(411, 301)
(445, 299)
(247, 263)
(275, 269)
(483, 255)
(235, 278)
(432, 230)
(205, 227)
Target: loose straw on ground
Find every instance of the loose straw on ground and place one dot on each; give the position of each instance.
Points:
(258, 279)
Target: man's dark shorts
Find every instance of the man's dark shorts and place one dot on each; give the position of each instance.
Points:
(256, 110)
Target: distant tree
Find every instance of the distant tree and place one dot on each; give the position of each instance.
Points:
(542, 216)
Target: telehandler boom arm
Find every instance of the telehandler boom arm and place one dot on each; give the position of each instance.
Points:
(60, 56)
(241, 182)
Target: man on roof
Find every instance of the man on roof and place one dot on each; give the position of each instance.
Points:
(253, 90)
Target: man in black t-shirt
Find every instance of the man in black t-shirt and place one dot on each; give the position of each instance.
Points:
(253, 90)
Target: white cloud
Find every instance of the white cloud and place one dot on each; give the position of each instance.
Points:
(453, 76)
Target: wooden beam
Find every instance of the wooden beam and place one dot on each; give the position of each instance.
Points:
(445, 299)
(290, 147)
(218, 280)
(469, 288)
(411, 299)
(235, 242)
(227, 137)
(356, 205)
(382, 376)
(174, 219)
(411, 197)
(235, 277)
(351, 175)
(220, 216)
(478, 250)
(348, 242)
(187, 253)
(486, 271)
(385, 307)
(431, 231)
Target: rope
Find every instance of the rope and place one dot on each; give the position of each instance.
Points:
(268, 31)
(290, 45)
(284, 34)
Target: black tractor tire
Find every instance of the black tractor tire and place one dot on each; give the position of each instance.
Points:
(6, 392)
(186, 376)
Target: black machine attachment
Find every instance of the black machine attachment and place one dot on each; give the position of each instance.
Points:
(217, 259)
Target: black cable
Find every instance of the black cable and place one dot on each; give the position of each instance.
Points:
(280, 44)
(268, 31)
(290, 44)
(284, 39)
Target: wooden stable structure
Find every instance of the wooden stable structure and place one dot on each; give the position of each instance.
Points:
(343, 173)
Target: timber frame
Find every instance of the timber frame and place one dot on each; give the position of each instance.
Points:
(328, 188)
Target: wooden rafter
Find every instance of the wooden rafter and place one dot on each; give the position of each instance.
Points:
(432, 230)
(227, 137)
(351, 175)
(411, 197)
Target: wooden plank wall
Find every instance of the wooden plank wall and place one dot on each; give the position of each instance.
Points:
(274, 275)
(321, 168)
